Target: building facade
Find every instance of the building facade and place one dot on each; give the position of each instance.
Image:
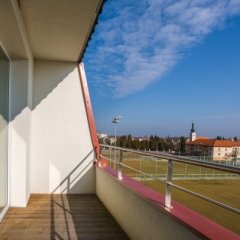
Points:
(215, 149)
(212, 148)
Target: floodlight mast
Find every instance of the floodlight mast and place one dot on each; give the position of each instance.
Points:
(116, 120)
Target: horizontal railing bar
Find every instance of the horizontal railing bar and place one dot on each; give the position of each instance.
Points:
(235, 210)
(235, 176)
(179, 159)
(135, 170)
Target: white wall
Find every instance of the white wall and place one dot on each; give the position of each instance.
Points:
(19, 132)
(62, 153)
(138, 218)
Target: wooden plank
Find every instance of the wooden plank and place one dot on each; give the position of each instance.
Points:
(60, 217)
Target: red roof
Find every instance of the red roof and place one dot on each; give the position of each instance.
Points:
(215, 143)
(201, 137)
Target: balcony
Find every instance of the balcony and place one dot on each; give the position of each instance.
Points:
(61, 217)
(126, 204)
(51, 146)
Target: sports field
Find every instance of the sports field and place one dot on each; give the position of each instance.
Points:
(227, 191)
(215, 184)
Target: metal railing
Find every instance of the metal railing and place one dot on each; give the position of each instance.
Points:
(234, 162)
(169, 175)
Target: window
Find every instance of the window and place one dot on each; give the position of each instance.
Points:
(4, 111)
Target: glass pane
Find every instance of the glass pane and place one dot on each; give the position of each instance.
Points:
(4, 76)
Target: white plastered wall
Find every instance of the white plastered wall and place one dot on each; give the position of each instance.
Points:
(61, 146)
(62, 152)
(19, 132)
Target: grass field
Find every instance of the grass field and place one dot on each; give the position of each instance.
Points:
(225, 190)
(216, 189)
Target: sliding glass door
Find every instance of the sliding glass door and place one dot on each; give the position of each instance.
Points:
(4, 110)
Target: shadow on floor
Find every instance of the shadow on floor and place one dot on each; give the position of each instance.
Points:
(84, 216)
(61, 217)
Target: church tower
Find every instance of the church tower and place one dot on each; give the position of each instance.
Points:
(193, 134)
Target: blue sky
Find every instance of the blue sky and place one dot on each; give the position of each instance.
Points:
(163, 64)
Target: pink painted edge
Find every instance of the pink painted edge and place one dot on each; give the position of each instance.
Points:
(88, 107)
(191, 219)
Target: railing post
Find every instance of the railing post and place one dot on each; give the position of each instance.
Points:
(168, 193)
(114, 158)
(99, 157)
(141, 169)
(120, 166)
(100, 152)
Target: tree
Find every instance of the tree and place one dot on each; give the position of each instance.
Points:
(108, 142)
(136, 144)
(147, 145)
(168, 144)
(129, 141)
(143, 145)
(122, 141)
(220, 138)
(182, 144)
(100, 140)
(235, 138)
(153, 143)
(160, 144)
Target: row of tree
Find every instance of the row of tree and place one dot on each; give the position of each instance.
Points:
(154, 143)
(223, 138)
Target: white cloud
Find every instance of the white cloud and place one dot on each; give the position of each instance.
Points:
(136, 42)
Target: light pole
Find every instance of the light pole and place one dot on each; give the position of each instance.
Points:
(115, 121)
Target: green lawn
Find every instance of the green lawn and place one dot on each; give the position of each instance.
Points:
(227, 191)
(224, 190)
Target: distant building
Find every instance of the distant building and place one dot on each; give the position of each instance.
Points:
(112, 140)
(193, 134)
(216, 149)
(101, 135)
(143, 139)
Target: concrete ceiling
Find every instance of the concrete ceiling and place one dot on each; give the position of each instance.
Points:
(9, 32)
(59, 29)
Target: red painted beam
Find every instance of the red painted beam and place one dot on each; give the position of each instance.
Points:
(88, 107)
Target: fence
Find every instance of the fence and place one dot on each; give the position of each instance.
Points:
(115, 156)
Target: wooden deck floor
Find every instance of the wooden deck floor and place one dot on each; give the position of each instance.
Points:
(61, 217)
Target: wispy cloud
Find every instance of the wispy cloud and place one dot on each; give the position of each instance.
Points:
(137, 42)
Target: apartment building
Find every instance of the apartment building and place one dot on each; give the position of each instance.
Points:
(216, 149)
